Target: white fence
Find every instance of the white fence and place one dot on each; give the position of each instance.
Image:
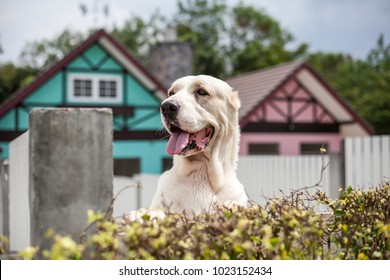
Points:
(133, 193)
(367, 161)
(4, 197)
(268, 176)
(367, 164)
(262, 176)
(19, 211)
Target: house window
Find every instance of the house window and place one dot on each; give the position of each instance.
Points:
(107, 88)
(264, 149)
(82, 87)
(95, 88)
(127, 167)
(312, 148)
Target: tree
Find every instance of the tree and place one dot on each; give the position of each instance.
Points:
(139, 35)
(35, 55)
(229, 41)
(379, 57)
(131, 35)
(257, 40)
(13, 77)
(201, 23)
(42, 53)
(365, 84)
(375, 87)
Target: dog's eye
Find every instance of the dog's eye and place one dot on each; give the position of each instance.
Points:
(202, 92)
(171, 92)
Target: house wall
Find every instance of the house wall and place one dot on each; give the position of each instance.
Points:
(150, 153)
(289, 143)
(4, 146)
(48, 93)
(97, 61)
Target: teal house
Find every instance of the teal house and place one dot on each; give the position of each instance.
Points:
(100, 72)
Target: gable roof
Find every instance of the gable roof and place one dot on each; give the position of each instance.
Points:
(255, 87)
(109, 44)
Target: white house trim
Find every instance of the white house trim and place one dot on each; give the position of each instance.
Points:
(95, 96)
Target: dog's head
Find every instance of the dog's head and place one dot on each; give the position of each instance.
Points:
(198, 111)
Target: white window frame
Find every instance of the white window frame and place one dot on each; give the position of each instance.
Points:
(95, 97)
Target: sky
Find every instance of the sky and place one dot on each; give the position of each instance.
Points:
(347, 26)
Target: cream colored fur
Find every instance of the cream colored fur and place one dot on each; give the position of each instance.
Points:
(202, 178)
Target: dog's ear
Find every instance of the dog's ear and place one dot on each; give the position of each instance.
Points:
(234, 100)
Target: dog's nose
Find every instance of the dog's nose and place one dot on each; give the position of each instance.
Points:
(170, 109)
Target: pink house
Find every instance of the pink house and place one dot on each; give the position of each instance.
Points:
(289, 109)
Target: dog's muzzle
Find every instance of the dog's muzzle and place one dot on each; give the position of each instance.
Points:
(183, 142)
(170, 110)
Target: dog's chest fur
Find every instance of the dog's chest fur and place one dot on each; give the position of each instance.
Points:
(193, 192)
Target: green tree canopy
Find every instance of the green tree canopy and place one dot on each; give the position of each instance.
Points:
(139, 35)
(39, 54)
(258, 40)
(229, 41)
(365, 84)
(201, 23)
(13, 77)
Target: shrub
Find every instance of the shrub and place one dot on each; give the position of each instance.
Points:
(355, 226)
(360, 224)
(3, 244)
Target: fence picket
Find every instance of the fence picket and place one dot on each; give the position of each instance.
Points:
(358, 162)
(269, 175)
(349, 172)
(367, 161)
(376, 164)
(385, 160)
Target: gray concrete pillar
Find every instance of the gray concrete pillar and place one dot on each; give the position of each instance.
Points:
(71, 169)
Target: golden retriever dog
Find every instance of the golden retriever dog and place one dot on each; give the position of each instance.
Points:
(201, 116)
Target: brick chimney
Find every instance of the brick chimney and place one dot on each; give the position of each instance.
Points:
(171, 59)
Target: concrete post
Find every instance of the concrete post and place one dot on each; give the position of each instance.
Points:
(71, 169)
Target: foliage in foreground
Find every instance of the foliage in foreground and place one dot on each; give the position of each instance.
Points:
(356, 226)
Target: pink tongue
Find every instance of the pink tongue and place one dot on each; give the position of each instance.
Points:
(177, 142)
